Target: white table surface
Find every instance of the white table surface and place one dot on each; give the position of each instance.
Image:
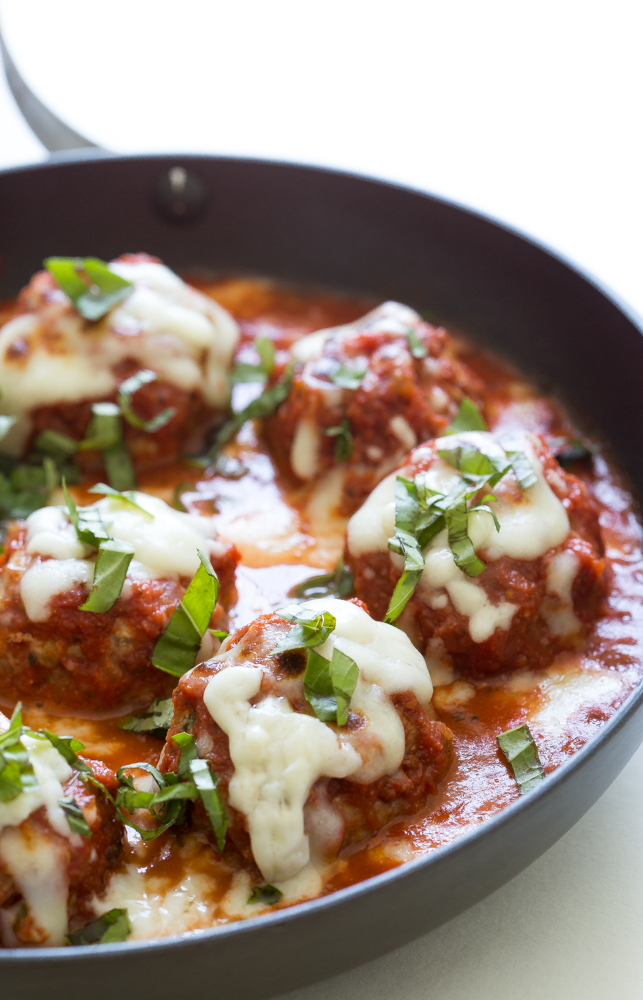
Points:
(528, 112)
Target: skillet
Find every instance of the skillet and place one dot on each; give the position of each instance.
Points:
(325, 228)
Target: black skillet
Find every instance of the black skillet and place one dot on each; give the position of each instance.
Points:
(347, 233)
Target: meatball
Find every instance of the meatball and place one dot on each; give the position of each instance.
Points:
(49, 872)
(295, 786)
(544, 579)
(53, 652)
(405, 385)
(54, 364)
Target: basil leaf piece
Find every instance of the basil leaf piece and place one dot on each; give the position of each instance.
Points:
(75, 816)
(523, 470)
(126, 496)
(246, 372)
(309, 629)
(16, 772)
(176, 649)
(155, 721)
(329, 685)
(125, 392)
(344, 444)
(110, 928)
(469, 461)
(468, 418)
(110, 571)
(519, 747)
(263, 406)
(416, 346)
(461, 546)
(59, 446)
(104, 429)
(402, 594)
(339, 583)
(89, 283)
(266, 894)
(119, 467)
(206, 784)
(68, 747)
(266, 351)
(348, 378)
(187, 746)
(84, 533)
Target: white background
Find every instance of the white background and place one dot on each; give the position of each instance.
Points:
(528, 112)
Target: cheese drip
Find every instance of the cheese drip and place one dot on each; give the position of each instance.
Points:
(532, 522)
(163, 324)
(34, 860)
(165, 545)
(278, 754)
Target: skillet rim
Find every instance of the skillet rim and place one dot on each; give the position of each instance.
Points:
(528, 803)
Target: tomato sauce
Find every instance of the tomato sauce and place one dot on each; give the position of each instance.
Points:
(285, 533)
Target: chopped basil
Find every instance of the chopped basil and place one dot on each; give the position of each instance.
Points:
(520, 749)
(119, 467)
(25, 486)
(344, 443)
(416, 347)
(104, 429)
(309, 629)
(75, 816)
(246, 372)
(329, 685)
(86, 523)
(266, 894)
(206, 785)
(339, 583)
(59, 446)
(110, 928)
(464, 555)
(16, 773)
(68, 747)
(523, 470)
(125, 392)
(126, 496)
(89, 283)
(263, 406)
(110, 571)
(468, 418)
(348, 378)
(176, 649)
(155, 721)
(183, 487)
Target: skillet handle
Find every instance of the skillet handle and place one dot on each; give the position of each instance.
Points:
(52, 132)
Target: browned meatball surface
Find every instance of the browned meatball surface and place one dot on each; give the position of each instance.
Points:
(406, 383)
(338, 811)
(544, 580)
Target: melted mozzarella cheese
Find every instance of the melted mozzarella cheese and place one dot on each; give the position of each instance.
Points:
(278, 754)
(165, 545)
(532, 522)
(389, 317)
(34, 860)
(304, 452)
(164, 324)
(561, 574)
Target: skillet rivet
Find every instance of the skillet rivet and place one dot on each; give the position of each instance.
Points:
(179, 195)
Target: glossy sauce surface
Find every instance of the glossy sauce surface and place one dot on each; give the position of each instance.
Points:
(286, 533)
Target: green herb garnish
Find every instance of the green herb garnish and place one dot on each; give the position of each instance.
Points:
(16, 773)
(89, 283)
(75, 816)
(348, 378)
(58, 446)
(416, 347)
(127, 497)
(339, 583)
(344, 443)
(112, 927)
(245, 372)
(105, 434)
(206, 785)
(329, 685)
(468, 418)
(310, 628)
(176, 649)
(110, 571)
(266, 894)
(259, 408)
(68, 747)
(520, 749)
(155, 721)
(125, 392)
